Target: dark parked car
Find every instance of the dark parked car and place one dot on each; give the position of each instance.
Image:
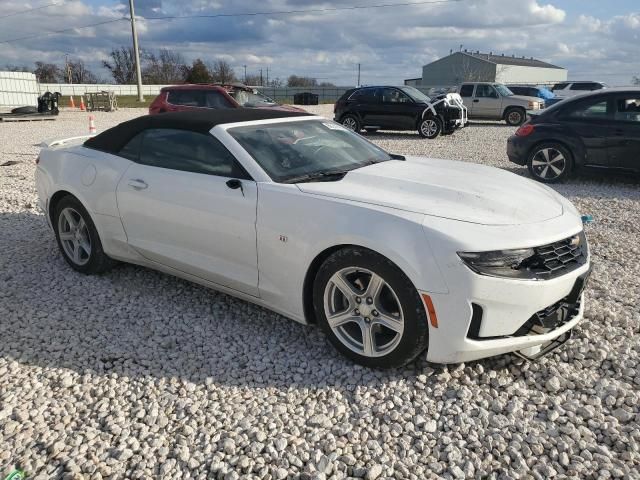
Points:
(600, 129)
(179, 98)
(400, 108)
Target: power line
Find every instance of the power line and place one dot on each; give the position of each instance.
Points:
(42, 7)
(53, 32)
(312, 10)
(246, 14)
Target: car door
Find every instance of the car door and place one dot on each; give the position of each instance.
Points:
(590, 120)
(486, 103)
(186, 203)
(367, 105)
(624, 143)
(466, 92)
(396, 109)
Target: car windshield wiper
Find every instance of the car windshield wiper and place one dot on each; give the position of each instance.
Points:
(318, 176)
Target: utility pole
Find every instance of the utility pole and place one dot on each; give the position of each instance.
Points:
(136, 50)
(267, 76)
(358, 84)
(245, 74)
(261, 77)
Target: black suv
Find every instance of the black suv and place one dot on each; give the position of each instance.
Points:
(400, 108)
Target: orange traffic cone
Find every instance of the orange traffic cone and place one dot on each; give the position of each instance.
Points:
(82, 107)
(72, 104)
(92, 125)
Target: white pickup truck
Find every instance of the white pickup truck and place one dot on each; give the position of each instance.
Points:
(494, 101)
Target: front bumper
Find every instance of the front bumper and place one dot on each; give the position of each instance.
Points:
(500, 316)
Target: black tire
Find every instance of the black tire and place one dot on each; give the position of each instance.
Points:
(25, 110)
(430, 127)
(96, 261)
(351, 122)
(415, 333)
(515, 116)
(371, 130)
(556, 157)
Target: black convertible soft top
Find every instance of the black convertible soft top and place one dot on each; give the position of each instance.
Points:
(113, 139)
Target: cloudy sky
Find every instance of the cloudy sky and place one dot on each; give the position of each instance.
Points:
(594, 39)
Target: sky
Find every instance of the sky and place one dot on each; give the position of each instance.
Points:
(594, 40)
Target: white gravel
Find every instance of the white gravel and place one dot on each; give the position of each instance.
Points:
(135, 374)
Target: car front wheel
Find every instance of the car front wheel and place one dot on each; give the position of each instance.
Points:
(515, 116)
(430, 127)
(351, 122)
(550, 163)
(369, 309)
(78, 238)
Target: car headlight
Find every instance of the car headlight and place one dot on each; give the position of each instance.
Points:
(500, 263)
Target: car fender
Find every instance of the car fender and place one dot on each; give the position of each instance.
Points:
(289, 240)
(564, 137)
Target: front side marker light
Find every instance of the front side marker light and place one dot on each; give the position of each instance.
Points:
(431, 311)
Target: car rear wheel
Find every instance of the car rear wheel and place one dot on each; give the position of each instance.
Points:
(351, 122)
(515, 116)
(78, 238)
(550, 163)
(369, 309)
(430, 127)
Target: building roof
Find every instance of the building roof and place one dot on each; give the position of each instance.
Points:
(510, 60)
(113, 139)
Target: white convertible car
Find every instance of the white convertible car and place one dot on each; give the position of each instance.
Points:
(391, 256)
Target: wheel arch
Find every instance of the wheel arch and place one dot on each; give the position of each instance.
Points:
(571, 148)
(316, 263)
(509, 108)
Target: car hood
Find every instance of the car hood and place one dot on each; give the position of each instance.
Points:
(525, 99)
(282, 108)
(444, 188)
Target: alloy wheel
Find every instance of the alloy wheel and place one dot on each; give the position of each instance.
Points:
(548, 163)
(363, 312)
(350, 123)
(74, 236)
(429, 128)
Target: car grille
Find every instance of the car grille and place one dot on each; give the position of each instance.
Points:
(550, 318)
(558, 258)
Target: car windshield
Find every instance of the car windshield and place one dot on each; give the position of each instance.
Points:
(311, 150)
(503, 90)
(416, 95)
(252, 99)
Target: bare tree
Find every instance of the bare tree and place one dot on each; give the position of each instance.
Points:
(276, 82)
(326, 84)
(252, 80)
(80, 73)
(15, 68)
(122, 65)
(166, 67)
(635, 80)
(222, 71)
(296, 81)
(48, 72)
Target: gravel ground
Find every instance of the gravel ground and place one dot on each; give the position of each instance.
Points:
(135, 374)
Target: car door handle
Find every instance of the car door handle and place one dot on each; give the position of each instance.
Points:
(138, 184)
(476, 101)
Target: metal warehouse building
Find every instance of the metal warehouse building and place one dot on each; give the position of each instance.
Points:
(467, 66)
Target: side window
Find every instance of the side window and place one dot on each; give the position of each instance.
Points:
(188, 151)
(486, 91)
(214, 99)
(588, 110)
(364, 95)
(188, 98)
(627, 110)
(466, 90)
(132, 149)
(560, 86)
(585, 86)
(393, 95)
